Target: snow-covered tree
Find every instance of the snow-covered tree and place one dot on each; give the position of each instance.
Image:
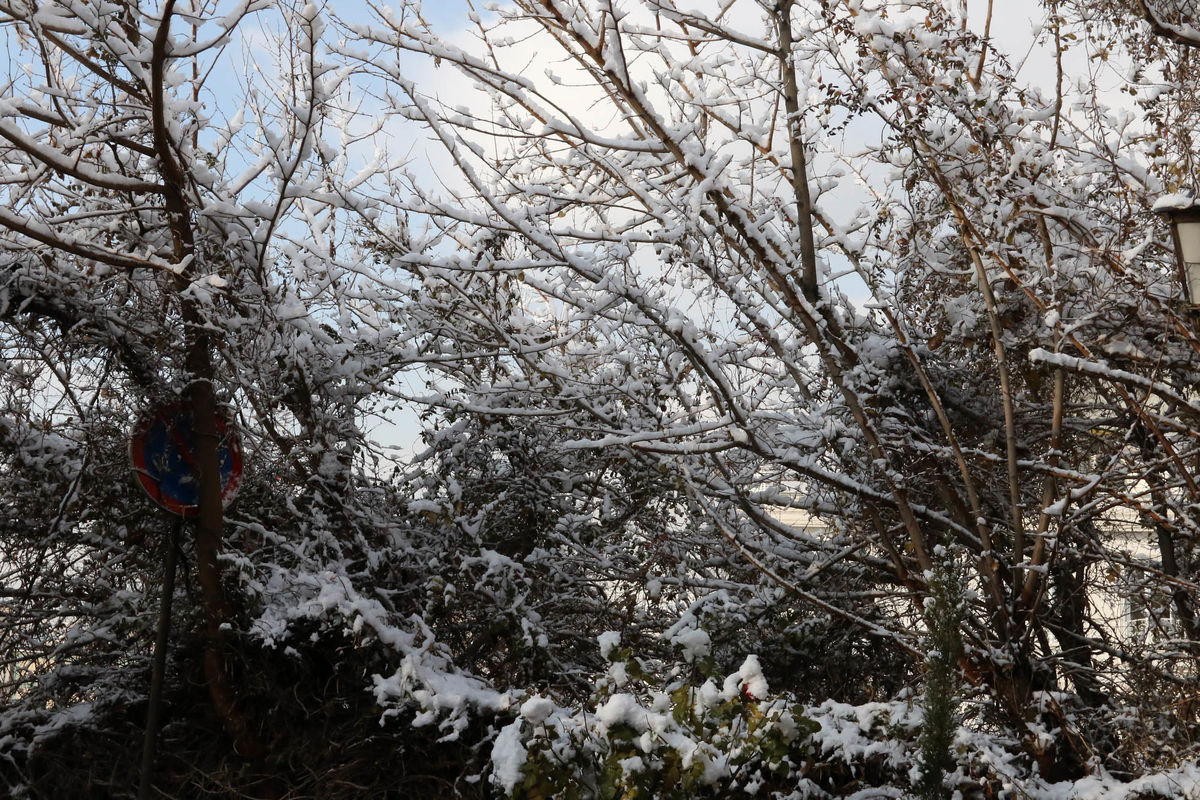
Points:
(166, 243)
(895, 279)
(165, 240)
(675, 272)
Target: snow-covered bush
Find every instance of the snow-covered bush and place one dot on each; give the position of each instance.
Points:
(620, 302)
(640, 739)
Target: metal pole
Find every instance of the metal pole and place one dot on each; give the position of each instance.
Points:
(159, 668)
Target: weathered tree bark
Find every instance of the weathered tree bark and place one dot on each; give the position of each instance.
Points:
(200, 396)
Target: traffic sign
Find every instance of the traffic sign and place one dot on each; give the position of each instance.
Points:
(163, 450)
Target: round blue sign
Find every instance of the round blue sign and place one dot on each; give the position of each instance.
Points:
(163, 448)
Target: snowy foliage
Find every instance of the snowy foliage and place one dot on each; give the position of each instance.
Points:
(672, 273)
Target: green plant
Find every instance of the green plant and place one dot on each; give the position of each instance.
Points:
(943, 617)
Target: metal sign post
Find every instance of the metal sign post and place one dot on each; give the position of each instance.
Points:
(154, 706)
(162, 449)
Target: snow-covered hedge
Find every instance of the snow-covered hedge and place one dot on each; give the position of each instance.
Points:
(733, 738)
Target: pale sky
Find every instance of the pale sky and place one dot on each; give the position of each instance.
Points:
(1014, 27)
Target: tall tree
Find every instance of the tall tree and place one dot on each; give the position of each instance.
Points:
(162, 244)
(1010, 375)
(695, 268)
